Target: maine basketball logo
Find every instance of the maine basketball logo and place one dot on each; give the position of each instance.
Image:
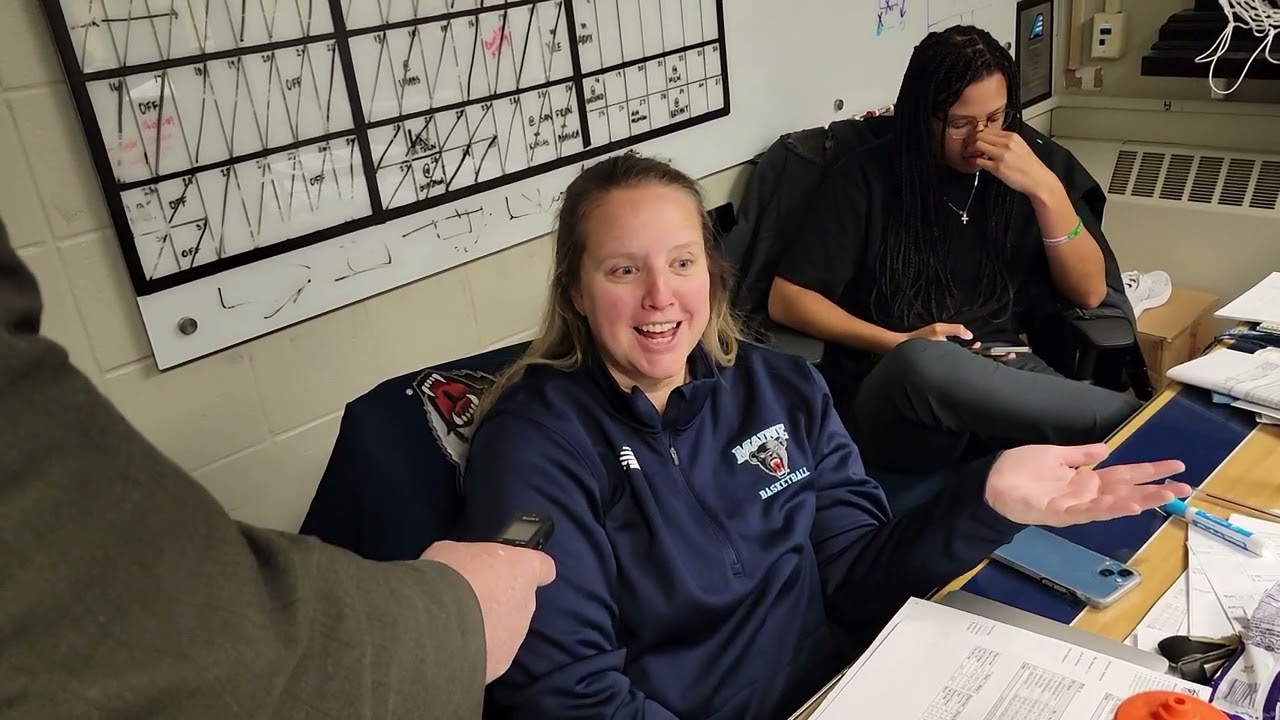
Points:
(767, 450)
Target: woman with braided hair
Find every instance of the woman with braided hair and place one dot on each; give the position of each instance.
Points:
(952, 228)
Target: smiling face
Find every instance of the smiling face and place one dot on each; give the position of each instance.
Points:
(645, 287)
(982, 105)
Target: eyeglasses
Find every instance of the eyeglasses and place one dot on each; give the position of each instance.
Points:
(960, 128)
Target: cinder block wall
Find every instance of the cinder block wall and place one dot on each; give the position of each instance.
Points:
(254, 424)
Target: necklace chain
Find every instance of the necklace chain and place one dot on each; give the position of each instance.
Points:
(964, 214)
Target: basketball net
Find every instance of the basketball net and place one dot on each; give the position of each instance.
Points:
(1262, 17)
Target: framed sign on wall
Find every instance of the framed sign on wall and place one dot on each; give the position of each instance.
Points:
(1035, 50)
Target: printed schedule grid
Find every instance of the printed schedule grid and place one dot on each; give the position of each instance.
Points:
(648, 64)
(226, 131)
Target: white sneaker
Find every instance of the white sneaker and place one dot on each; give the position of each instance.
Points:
(1147, 290)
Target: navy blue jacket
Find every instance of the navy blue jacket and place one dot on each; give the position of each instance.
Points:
(723, 560)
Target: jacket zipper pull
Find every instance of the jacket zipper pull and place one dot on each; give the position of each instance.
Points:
(674, 457)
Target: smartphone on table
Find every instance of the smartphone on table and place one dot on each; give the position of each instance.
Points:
(1058, 563)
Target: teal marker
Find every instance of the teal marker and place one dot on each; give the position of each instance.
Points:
(1217, 527)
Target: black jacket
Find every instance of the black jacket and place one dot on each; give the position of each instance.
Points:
(787, 174)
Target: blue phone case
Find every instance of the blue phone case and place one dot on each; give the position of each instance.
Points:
(1067, 567)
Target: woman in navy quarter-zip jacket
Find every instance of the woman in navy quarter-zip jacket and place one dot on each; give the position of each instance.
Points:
(720, 551)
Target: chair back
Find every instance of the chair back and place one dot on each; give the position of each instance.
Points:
(393, 482)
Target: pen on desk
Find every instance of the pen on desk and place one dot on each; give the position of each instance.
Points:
(1217, 527)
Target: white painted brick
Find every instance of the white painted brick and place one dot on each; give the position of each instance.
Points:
(726, 185)
(20, 208)
(272, 485)
(509, 289)
(196, 413)
(60, 321)
(106, 300)
(64, 174)
(27, 55)
(313, 369)
(427, 322)
(526, 336)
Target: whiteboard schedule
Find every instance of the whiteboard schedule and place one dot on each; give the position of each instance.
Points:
(229, 134)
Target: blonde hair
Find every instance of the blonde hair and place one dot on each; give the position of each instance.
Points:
(564, 338)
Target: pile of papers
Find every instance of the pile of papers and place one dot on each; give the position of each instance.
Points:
(940, 663)
(1220, 595)
(1251, 382)
(1221, 588)
(1246, 380)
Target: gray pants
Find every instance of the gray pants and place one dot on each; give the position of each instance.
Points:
(930, 404)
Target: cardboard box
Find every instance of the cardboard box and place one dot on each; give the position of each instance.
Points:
(1176, 331)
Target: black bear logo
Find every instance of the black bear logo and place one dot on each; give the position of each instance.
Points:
(772, 456)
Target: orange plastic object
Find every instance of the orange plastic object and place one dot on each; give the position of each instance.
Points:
(1165, 705)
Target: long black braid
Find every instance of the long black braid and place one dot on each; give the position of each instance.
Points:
(914, 280)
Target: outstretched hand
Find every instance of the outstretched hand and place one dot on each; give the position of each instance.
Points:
(1048, 485)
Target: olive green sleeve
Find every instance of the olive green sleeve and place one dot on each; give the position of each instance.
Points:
(128, 591)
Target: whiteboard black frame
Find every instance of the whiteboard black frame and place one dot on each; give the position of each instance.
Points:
(112, 190)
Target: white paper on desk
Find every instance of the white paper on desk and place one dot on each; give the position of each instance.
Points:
(1245, 376)
(938, 663)
(1261, 303)
(1239, 578)
(1260, 410)
(1168, 617)
(1206, 616)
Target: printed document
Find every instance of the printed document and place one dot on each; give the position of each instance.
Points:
(1261, 303)
(1168, 617)
(1261, 413)
(1206, 616)
(1244, 376)
(935, 662)
(1238, 578)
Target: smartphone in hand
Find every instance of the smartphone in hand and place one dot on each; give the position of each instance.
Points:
(998, 350)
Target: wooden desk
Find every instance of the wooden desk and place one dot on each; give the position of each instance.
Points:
(1250, 475)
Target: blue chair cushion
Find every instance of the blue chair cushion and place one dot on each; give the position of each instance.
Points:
(392, 484)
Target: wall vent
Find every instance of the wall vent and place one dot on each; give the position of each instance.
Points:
(1177, 176)
(1123, 173)
(1204, 188)
(1266, 189)
(1207, 177)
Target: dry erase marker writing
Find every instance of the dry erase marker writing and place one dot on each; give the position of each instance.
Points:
(1217, 527)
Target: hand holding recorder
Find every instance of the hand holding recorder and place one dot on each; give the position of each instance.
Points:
(505, 575)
